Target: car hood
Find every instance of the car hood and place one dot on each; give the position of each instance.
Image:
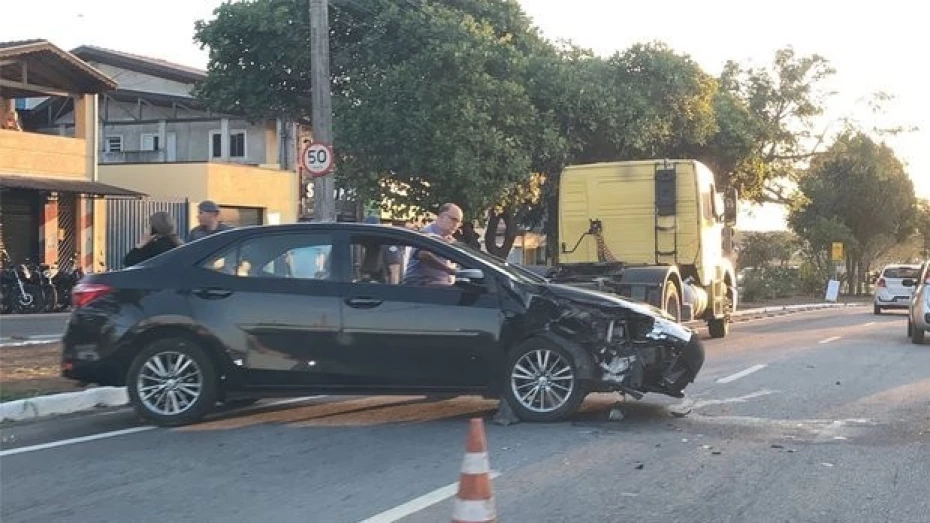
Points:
(603, 299)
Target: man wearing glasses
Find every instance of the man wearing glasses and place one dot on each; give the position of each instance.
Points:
(425, 268)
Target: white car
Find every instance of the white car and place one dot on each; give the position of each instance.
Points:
(890, 292)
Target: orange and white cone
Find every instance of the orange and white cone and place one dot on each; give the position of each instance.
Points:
(475, 501)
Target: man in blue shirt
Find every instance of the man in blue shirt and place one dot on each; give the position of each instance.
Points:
(426, 268)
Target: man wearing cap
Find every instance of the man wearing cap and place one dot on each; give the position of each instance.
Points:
(208, 216)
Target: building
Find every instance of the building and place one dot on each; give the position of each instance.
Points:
(156, 138)
(52, 201)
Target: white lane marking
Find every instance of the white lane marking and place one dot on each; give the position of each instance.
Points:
(72, 441)
(832, 338)
(869, 324)
(133, 430)
(742, 373)
(418, 504)
(741, 399)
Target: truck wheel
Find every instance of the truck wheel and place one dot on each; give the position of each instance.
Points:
(917, 335)
(718, 327)
(671, 302)
(542, 382)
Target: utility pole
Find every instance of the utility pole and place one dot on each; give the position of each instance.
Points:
(324, 187)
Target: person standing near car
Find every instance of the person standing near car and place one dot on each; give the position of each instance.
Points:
(160, 239)
(208, 217)
(426, 268)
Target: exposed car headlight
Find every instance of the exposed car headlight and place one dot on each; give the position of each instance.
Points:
(662, 329)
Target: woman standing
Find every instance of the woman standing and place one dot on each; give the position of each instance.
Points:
(162, 237)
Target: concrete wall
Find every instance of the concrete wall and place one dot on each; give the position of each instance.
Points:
(42, 155)
(274, 191)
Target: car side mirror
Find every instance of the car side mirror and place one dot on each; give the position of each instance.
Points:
(730, 206)
(909, 282)
(469, 276)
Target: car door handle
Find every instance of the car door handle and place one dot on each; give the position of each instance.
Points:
(363, 303)
(213, 294)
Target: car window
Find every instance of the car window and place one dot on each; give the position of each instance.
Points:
(383, 260)
(302, 256)
(902, 272)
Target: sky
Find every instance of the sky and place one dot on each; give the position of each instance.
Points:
(874, 46)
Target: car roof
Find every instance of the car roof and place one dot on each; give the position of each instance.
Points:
(903, 266)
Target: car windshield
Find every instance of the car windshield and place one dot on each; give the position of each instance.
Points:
(902, 272)
(513, 270)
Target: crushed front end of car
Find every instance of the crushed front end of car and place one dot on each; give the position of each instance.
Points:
(635, 348)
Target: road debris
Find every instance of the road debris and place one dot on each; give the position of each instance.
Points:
(505, 415)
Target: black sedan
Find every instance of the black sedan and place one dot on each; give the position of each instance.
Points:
(303, 308)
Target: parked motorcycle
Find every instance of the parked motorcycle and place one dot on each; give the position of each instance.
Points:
(64, 281)
(40, 275)
(20, 295)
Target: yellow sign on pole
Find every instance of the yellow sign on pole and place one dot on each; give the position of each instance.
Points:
(837, 251)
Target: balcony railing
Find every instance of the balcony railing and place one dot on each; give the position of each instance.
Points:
(134, 157)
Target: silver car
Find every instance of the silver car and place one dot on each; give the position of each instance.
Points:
(918, 317)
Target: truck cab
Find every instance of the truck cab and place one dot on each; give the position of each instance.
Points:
(653, 231)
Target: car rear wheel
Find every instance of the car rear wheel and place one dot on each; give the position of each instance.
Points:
(172, 382)
(542, 382)
(877, 310)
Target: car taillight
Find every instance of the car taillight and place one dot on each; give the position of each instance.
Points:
(881, 282)
(84, 293)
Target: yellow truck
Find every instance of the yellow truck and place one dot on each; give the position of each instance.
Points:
(655, 231)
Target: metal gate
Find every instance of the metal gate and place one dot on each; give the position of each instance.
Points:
(128, 221)
(67, 224)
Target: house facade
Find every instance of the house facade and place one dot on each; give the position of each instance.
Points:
(52, 200)
(156, 138)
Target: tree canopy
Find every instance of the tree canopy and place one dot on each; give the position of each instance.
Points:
(466, 101)
(857, 193)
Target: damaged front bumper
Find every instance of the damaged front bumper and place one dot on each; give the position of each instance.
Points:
(664, 358)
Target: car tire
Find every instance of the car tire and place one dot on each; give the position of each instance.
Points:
(187, 379)
(917, 335)
(910, 328)
(566, 391)
(876, 310)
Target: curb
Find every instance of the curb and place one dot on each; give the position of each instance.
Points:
(64, 403)
(97, 397)
(25, 341)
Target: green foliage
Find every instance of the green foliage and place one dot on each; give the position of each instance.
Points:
(857, 193)
(768, 283)
(761, 249)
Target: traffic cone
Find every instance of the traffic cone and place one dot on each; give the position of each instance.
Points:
(474, 502)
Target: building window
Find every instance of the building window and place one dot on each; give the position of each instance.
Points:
(113, 144)
(150, 143)
(216, 144)
(237, 144)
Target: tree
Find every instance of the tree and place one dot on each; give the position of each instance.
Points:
(766, 121)
(923, 227)
(430, 101)
(761, 249)
(859, 192)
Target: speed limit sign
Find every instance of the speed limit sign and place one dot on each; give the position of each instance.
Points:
(317, 159)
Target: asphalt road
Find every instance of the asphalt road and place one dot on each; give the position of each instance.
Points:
(31, 325)
(811, 417)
